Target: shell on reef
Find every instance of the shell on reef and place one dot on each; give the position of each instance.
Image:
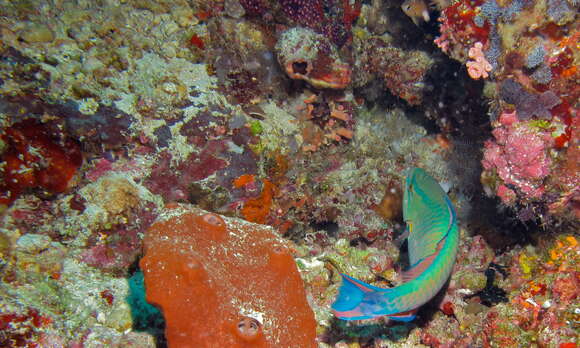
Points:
(309, 56)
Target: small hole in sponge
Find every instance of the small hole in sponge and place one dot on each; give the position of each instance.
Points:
(248, 329)
(213, 219)
(213, 225)
(278, 250)
(300, 68)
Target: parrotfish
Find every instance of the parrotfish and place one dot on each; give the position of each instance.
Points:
(416, 10)
(433, 239)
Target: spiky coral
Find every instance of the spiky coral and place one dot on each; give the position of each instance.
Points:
(255, 7)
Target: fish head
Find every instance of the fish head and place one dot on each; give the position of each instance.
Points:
(416, 10)
(409, 193)
(419, 192)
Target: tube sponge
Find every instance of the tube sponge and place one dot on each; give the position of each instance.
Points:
(224, 282)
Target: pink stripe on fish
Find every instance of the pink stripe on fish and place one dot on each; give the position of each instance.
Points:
(408, 314)
(353, 313)
(354, 282)
(423, 265)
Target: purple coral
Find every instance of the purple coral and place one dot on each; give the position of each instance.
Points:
(542, 75)
(558, 10)
(119, 250)
(306, 12)
(254, 7)
(528, 104)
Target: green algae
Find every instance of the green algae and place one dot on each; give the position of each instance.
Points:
(256, 127)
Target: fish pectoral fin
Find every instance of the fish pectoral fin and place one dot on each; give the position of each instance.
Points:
(405, 316)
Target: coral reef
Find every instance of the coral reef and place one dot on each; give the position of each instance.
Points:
(486, 304)
(301, 115)
(188, 265)
(524, 49)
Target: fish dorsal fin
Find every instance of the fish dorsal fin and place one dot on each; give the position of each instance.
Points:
(428, 213)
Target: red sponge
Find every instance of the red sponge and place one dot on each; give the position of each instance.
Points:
(224, 282)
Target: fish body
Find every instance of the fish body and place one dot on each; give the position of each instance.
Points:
(416, 10)
(432, 242)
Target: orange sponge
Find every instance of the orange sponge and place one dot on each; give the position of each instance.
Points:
(224, 282)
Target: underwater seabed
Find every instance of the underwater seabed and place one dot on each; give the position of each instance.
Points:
(198, 173)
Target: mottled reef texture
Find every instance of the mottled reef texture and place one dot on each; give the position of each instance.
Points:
(297, 114)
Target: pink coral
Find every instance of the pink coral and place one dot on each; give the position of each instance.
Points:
(506, 194)
(442, 42)
(479, 66)
(459, 28)
(508, 118)
(519, 156)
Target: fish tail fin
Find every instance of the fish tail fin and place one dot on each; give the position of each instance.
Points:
(358, 300)
(351, 294)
